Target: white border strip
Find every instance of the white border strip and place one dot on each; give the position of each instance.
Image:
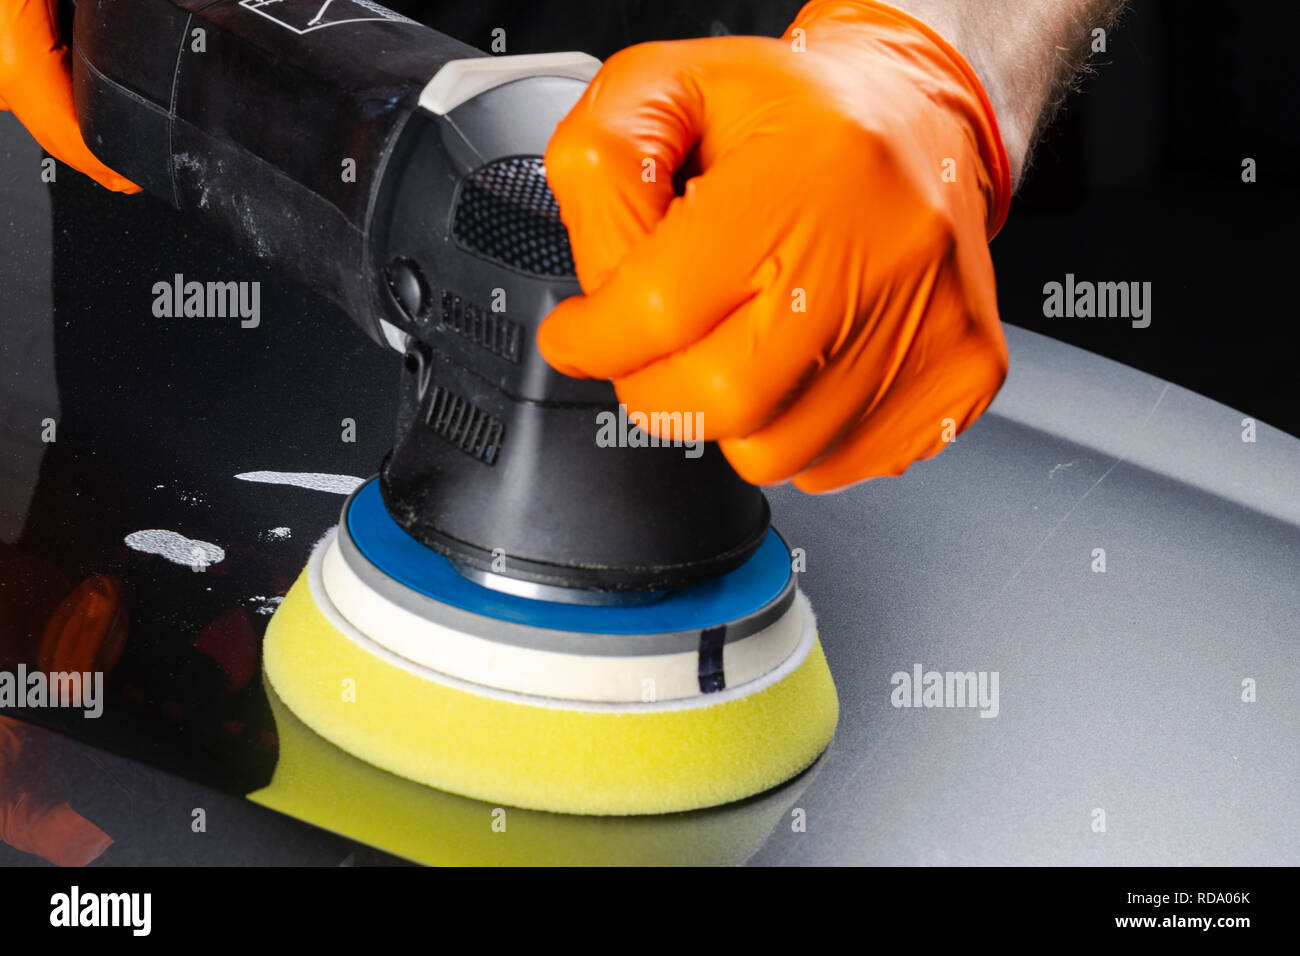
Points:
(538, 671)
(807, 638)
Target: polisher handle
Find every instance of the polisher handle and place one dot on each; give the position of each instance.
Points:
(274, 118)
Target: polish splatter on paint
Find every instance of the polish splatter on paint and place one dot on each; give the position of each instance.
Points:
(263, 604)
(175, 547)
(276, 534)
(334, 484)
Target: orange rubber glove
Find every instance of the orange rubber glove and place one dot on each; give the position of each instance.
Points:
(36, 84)
(822, 289)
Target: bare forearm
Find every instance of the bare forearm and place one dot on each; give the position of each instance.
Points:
(1026, 52)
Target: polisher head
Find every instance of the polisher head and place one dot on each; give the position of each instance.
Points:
(712, 693)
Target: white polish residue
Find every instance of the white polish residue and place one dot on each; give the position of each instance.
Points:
(176, 547)
(276, 534)
(335, 484)
(263, 604)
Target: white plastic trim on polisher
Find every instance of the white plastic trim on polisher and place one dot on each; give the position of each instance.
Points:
(461, 80)
(545, 678)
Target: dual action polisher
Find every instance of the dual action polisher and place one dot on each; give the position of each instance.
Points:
(509, 611)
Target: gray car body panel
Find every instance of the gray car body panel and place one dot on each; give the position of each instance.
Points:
(1120, 691)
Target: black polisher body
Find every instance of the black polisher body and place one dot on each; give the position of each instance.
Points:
(304, 139)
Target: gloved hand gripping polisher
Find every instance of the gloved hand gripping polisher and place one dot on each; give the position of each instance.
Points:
(626, 611)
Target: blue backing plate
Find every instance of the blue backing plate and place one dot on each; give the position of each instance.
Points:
(753, 585)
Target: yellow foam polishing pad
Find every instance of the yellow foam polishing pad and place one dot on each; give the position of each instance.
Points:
(323, 785)
(540, 753)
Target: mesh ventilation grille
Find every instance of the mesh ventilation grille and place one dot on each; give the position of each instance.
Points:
(506, 212)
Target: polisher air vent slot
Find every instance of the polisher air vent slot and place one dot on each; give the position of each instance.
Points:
(484, 328)
(467, 427)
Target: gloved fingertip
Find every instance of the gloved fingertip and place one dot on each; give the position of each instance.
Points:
(79, 157)
(553, 342)
(812, 486)
(114, 182)
(108, 178)
(751, 465)
(562, 339)
(563, 367)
